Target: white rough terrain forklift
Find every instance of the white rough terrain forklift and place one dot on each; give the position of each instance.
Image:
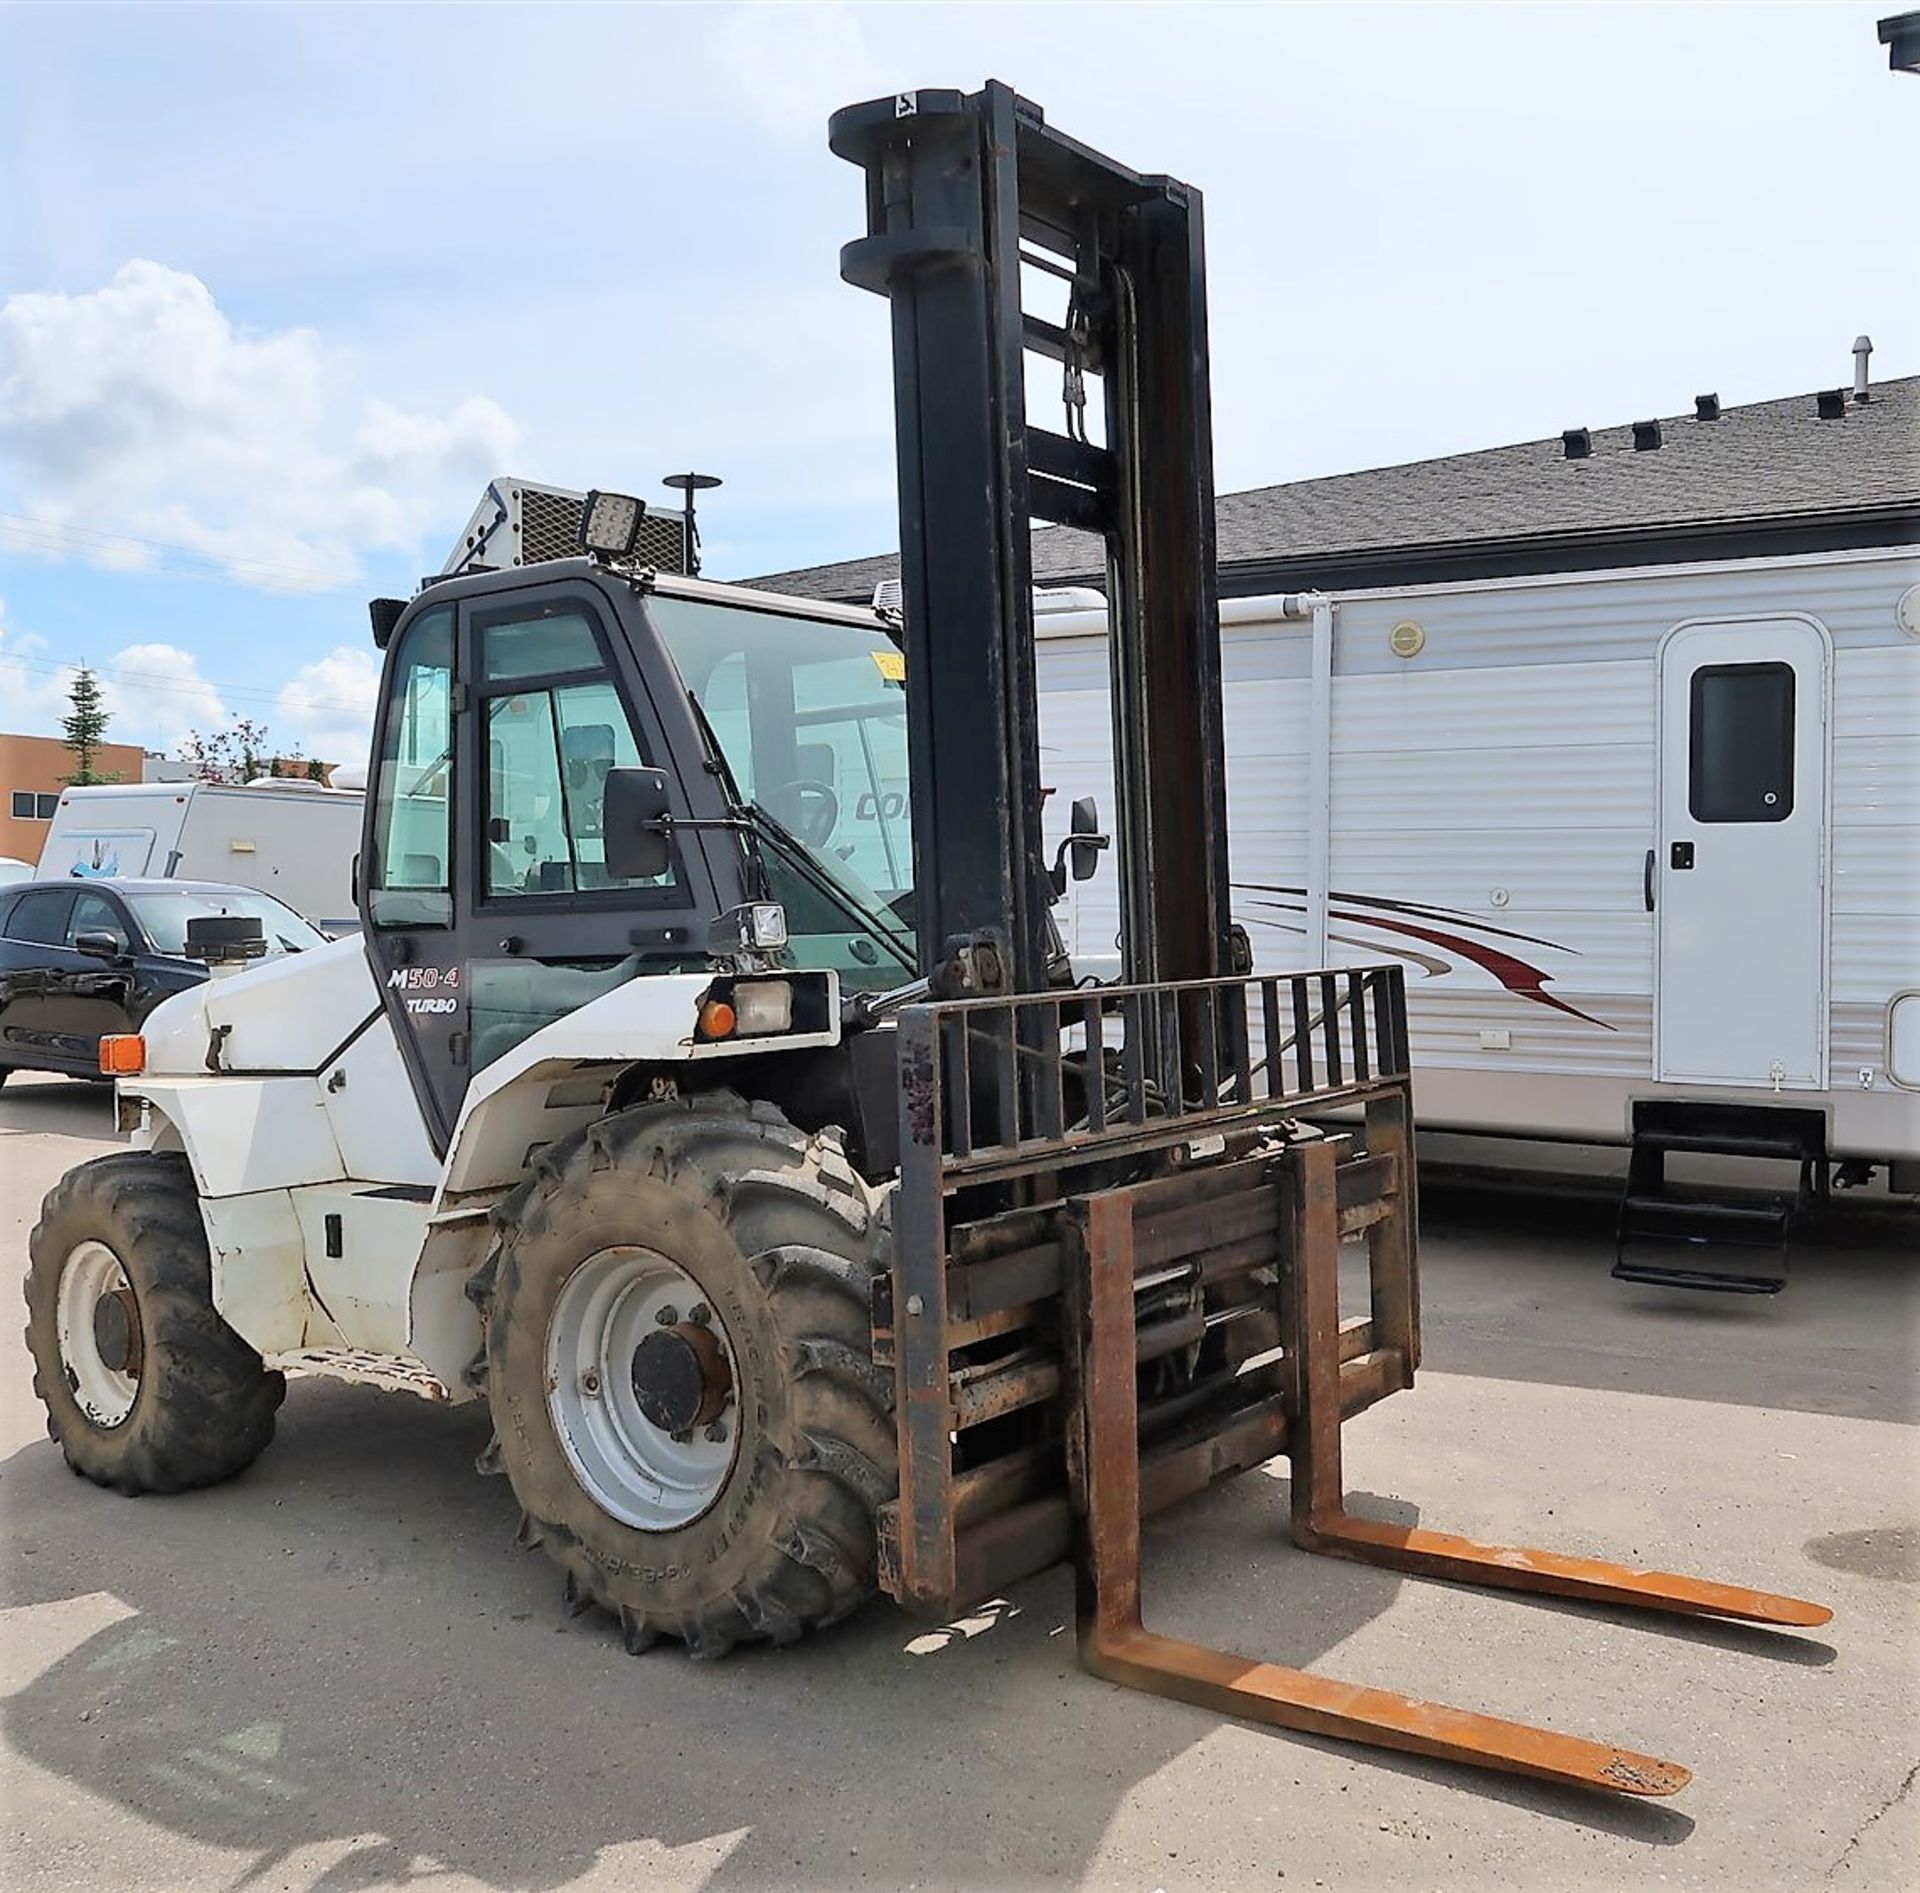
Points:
(707, 1092)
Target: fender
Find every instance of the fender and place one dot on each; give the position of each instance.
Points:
(557, 1079)
(330, 1222)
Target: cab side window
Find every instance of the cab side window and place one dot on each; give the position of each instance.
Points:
(94, 913)
(409, 880)
(550, 742)
(40, 918)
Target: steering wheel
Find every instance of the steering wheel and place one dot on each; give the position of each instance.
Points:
(808, 806)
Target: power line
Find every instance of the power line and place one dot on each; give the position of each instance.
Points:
(155, 680)
(49, 535)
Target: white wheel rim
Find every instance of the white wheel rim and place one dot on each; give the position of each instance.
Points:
(632, 1469)
(90, 1274)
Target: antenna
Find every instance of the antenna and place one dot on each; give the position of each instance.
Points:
(687, 485)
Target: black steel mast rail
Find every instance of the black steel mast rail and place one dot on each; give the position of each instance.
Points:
(963, 191)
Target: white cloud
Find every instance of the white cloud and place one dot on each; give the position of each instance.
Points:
(328, 705)
(792, 66)
(155, 694)
(34, 692)
(139, 418)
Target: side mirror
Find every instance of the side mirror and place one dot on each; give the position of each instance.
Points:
(100, 946)
(1086, 841)
(1080, 852)
(636, 820)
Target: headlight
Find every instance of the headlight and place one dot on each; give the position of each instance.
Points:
(767, 925)
(610, 523)
(752, 1008)
(762, 1005)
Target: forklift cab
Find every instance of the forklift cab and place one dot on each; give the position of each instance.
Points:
(492, 890)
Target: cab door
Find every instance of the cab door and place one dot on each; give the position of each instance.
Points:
(489, 908)
(407, 863)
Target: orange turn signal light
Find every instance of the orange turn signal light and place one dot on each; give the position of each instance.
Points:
(123, 1054)
(716, 1019)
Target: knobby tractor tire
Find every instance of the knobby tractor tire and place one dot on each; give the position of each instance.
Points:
(782, 1237)
(204, 1404)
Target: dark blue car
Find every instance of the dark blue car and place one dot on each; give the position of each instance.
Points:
(80, 959)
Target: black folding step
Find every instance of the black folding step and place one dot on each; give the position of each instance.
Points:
(1719, 1281)
(1671, 1238)
(1789, 1147)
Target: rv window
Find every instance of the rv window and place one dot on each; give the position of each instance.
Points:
(1740, 759)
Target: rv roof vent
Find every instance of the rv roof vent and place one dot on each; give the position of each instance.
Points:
(887, 595)
(1862, 348)
(1578, 443)
(1831, 403)
(1706, 407)
(1049, 598)
(1646, 436)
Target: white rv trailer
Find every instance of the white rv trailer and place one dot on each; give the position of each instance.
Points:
(294, 840)
(1650, 833)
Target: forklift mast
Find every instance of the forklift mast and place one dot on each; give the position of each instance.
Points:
(1116, 1236)
(969, 196)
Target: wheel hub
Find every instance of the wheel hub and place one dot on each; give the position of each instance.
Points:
(680, 1377)
(641, 1378)
(97, 1320)
(116, 1333)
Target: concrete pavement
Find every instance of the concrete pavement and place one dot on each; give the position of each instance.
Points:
(338, 1672)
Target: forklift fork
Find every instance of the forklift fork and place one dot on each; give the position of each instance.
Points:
(1104, 1466)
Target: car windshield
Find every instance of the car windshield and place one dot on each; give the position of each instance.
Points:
(164, 916)
(811, 718)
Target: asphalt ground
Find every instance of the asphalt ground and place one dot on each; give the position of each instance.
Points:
(338, 1672)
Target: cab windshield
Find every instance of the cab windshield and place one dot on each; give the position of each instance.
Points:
(811, 720)
(164, 917)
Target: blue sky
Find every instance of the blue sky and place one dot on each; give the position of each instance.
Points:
(281, 287)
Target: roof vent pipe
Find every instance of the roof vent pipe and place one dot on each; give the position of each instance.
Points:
(1646, 436)
(1577, 443)
(1862, 348)
(1706, 407)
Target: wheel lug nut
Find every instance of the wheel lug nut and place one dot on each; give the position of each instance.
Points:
(682, 1437)
(699, 1314)
(717, 1431)
(590, 1382)
(666, 1316)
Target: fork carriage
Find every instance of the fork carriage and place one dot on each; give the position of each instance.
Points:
(1161, 1310)
(978, 1315)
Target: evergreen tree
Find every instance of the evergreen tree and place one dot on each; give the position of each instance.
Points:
(85, 728)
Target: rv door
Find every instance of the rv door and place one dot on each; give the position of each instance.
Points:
(1738, 875)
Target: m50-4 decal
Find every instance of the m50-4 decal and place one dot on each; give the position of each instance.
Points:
(427, 989)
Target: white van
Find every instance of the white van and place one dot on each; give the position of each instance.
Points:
(293, 840)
